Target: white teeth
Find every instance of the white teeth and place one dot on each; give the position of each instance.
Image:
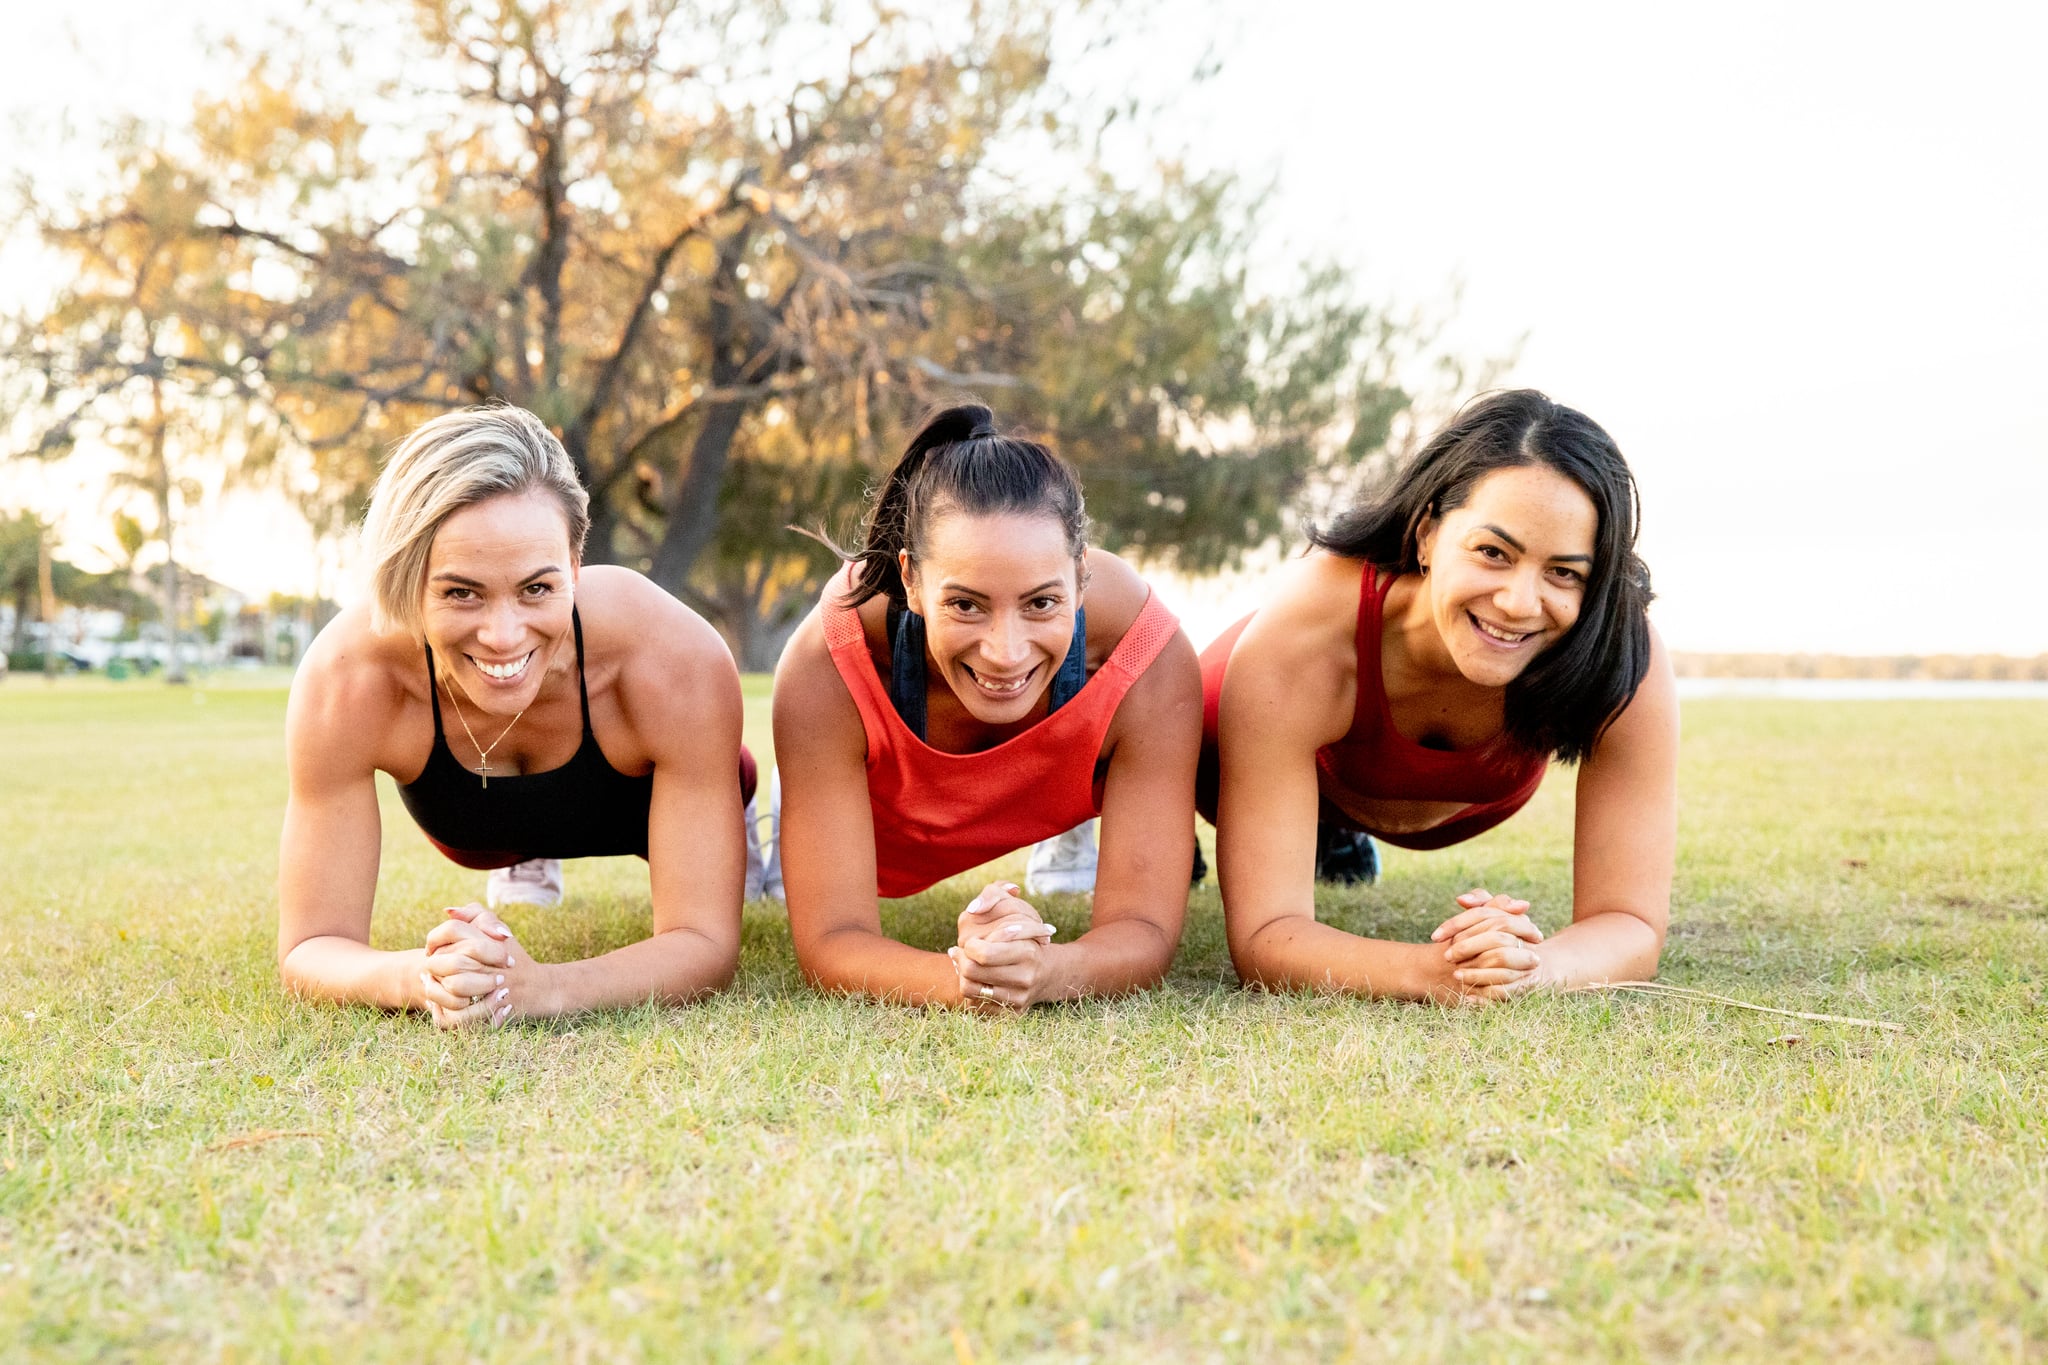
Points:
(503, 672)
(1505, 637)
(1002, 690)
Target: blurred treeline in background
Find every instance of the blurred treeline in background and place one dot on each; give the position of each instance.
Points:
(728, 249)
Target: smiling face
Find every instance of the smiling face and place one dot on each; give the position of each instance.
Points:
(998, 595)
(501, 585)
(1507, 570)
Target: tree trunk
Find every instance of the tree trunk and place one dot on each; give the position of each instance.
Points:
(48, 592)
(160, 475)
(693, 510)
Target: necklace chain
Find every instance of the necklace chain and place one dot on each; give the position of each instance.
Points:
(483, 755)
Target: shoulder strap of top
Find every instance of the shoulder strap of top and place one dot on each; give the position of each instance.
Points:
(582, 688)
(1147, 635)
(434, 693)
(1371, 686)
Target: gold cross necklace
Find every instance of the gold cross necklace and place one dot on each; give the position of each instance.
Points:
(483, 753)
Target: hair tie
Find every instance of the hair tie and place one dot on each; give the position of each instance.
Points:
(981, 429)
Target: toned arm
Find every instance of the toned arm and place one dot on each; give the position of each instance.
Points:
(342, 707)
(1625, 843)
(679, 695)
(828, 839)
(1148, 836)
(1289, 690)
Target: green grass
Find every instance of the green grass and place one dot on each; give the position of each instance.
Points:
(1199, 1173)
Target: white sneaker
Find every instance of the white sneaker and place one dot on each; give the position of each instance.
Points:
(1063, 863)
(537, 881)
(771, 842)
(756, 870)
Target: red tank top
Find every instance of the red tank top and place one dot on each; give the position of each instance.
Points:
(1374, 761)
(938, 814)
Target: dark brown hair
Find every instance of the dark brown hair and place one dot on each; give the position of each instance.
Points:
(958, 461)
(1573, 690)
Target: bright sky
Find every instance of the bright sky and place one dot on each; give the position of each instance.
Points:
(1790, 255)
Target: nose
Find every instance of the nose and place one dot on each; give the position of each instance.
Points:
(1518, 598)
(500, 630)
(1004, 645)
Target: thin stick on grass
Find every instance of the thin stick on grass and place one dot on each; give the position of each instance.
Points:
(1659, 988)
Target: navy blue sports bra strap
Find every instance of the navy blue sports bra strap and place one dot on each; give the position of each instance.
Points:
(907, 675)
(1073, 672)
(434, 692)
(582, 688)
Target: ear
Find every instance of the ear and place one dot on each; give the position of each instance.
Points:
(906, 569)
(1425, 538)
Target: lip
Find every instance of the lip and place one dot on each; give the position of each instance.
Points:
(1010, 690)
(1484, 630)
(512, 678)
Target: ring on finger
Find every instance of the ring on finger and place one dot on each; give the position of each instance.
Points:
(476, 1000)
(988, 992)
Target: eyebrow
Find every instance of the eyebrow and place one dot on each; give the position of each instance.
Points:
(1523, 549)
(976, 592)
(464, 581)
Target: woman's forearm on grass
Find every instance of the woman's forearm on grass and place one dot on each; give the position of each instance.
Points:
(1612, 946)
(862, 961)
(673, 968)
(349, 972)
(1117, 958)
(1294, 952)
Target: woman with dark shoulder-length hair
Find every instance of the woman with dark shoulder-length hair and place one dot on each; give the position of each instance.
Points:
(529, 708)
(950, 700)
(1412, 677)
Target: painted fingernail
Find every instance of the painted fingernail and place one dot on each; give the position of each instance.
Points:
(511, 961)
(501, 980)
(502, 994)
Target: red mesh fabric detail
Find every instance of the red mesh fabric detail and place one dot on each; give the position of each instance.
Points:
(1146, 637)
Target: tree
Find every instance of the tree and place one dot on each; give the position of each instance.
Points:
(144, 349)
(727, 251)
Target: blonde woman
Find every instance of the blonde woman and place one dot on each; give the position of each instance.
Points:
(528, 707)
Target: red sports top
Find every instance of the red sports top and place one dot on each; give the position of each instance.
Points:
(1374, 760)
(938, 814)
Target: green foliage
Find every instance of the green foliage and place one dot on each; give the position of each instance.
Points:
(710, 242)
(194, 1165)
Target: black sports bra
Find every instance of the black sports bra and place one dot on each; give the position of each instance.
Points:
(584, 809)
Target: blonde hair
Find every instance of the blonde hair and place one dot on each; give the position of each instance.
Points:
(455, 461)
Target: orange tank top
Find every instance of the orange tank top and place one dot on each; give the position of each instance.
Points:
(938, 814)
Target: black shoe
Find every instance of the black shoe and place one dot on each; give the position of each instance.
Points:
(1346, 856)
(1201, 866)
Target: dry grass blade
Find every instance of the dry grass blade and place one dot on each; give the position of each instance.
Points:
(1659, 988)
(256, 1137)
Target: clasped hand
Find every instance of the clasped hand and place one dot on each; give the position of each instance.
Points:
(1002, 956)
(1490, 951)
(476, 972)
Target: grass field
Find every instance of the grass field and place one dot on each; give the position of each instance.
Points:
(194, 1166)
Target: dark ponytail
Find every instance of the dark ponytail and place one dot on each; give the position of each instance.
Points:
(1573, 690)
(959, 462)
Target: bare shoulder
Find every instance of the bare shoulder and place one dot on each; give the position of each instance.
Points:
(349, 694)
(1650, 720)
(662, 654)
(1298, 656)
(805, 677)
(1115, 595)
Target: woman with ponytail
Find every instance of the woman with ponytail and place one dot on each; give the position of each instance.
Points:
(1411, 679)
(950, 700)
